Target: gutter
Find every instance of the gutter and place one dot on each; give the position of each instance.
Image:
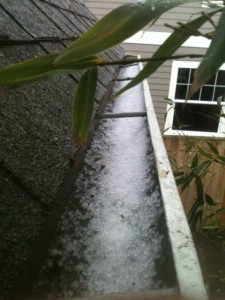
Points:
(189, 275)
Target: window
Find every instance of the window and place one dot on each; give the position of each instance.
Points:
(217, 2)
(200, 115)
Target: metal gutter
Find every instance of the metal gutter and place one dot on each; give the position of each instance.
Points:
(189, 275)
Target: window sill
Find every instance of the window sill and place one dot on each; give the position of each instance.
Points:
(193, 134)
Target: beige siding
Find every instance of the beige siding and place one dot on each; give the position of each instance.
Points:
(179, 14)
(182, 14)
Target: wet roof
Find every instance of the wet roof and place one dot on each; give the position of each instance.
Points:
(35, 122)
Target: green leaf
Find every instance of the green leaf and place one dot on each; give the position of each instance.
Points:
(213, 148)
(209, 200)
(213, 59)
(178, 173)
(40, 68)
(221, 159)
(194, 172)
(188, 180)
(199, 189)
(83, 106)
(180, 180)
(193, 208)
(173, 162)
(115, 27)
(216, 213)
(169, 101)
(221, 115)
(195, 214)
(173, 42)
(204, 153)
(220, 211)
(194, 161)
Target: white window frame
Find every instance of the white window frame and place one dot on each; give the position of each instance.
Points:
(170, 110)
(217, 2)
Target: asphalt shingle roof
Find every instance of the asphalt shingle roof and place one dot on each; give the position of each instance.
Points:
(35, 121)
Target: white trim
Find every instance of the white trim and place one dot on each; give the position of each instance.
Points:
(158, 38)
(170, 110)
(186, 262)
(170, 132)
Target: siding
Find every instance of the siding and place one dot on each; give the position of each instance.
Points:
(179, 14)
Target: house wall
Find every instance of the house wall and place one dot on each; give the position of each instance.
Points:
(160, 80)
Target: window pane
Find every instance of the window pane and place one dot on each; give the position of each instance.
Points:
(221, 78)
(220, 92)
(196, 117)
(181, 91)
(183, 75)
(207, 93)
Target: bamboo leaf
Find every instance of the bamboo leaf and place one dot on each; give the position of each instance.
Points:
(204, 164)
(176, 174)
(221, 115)
(194, 172)
(173, 42)
(193, 208)
(204, 153)
(213, 148)
(173, 162)
(83, 106)
(169, 101)
(216, 213)
(195, 214)
(213, 59)
(188, 180)
(209, 200)
(199, 189)
(180, 180)
(115, 27)
(194, 161)
(221, 159)
(40, 68)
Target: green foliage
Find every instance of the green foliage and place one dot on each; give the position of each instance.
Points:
(194, 173)
(172, 43)
(115, 27)
(83, 104)
(214, 58)
(41, 68)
